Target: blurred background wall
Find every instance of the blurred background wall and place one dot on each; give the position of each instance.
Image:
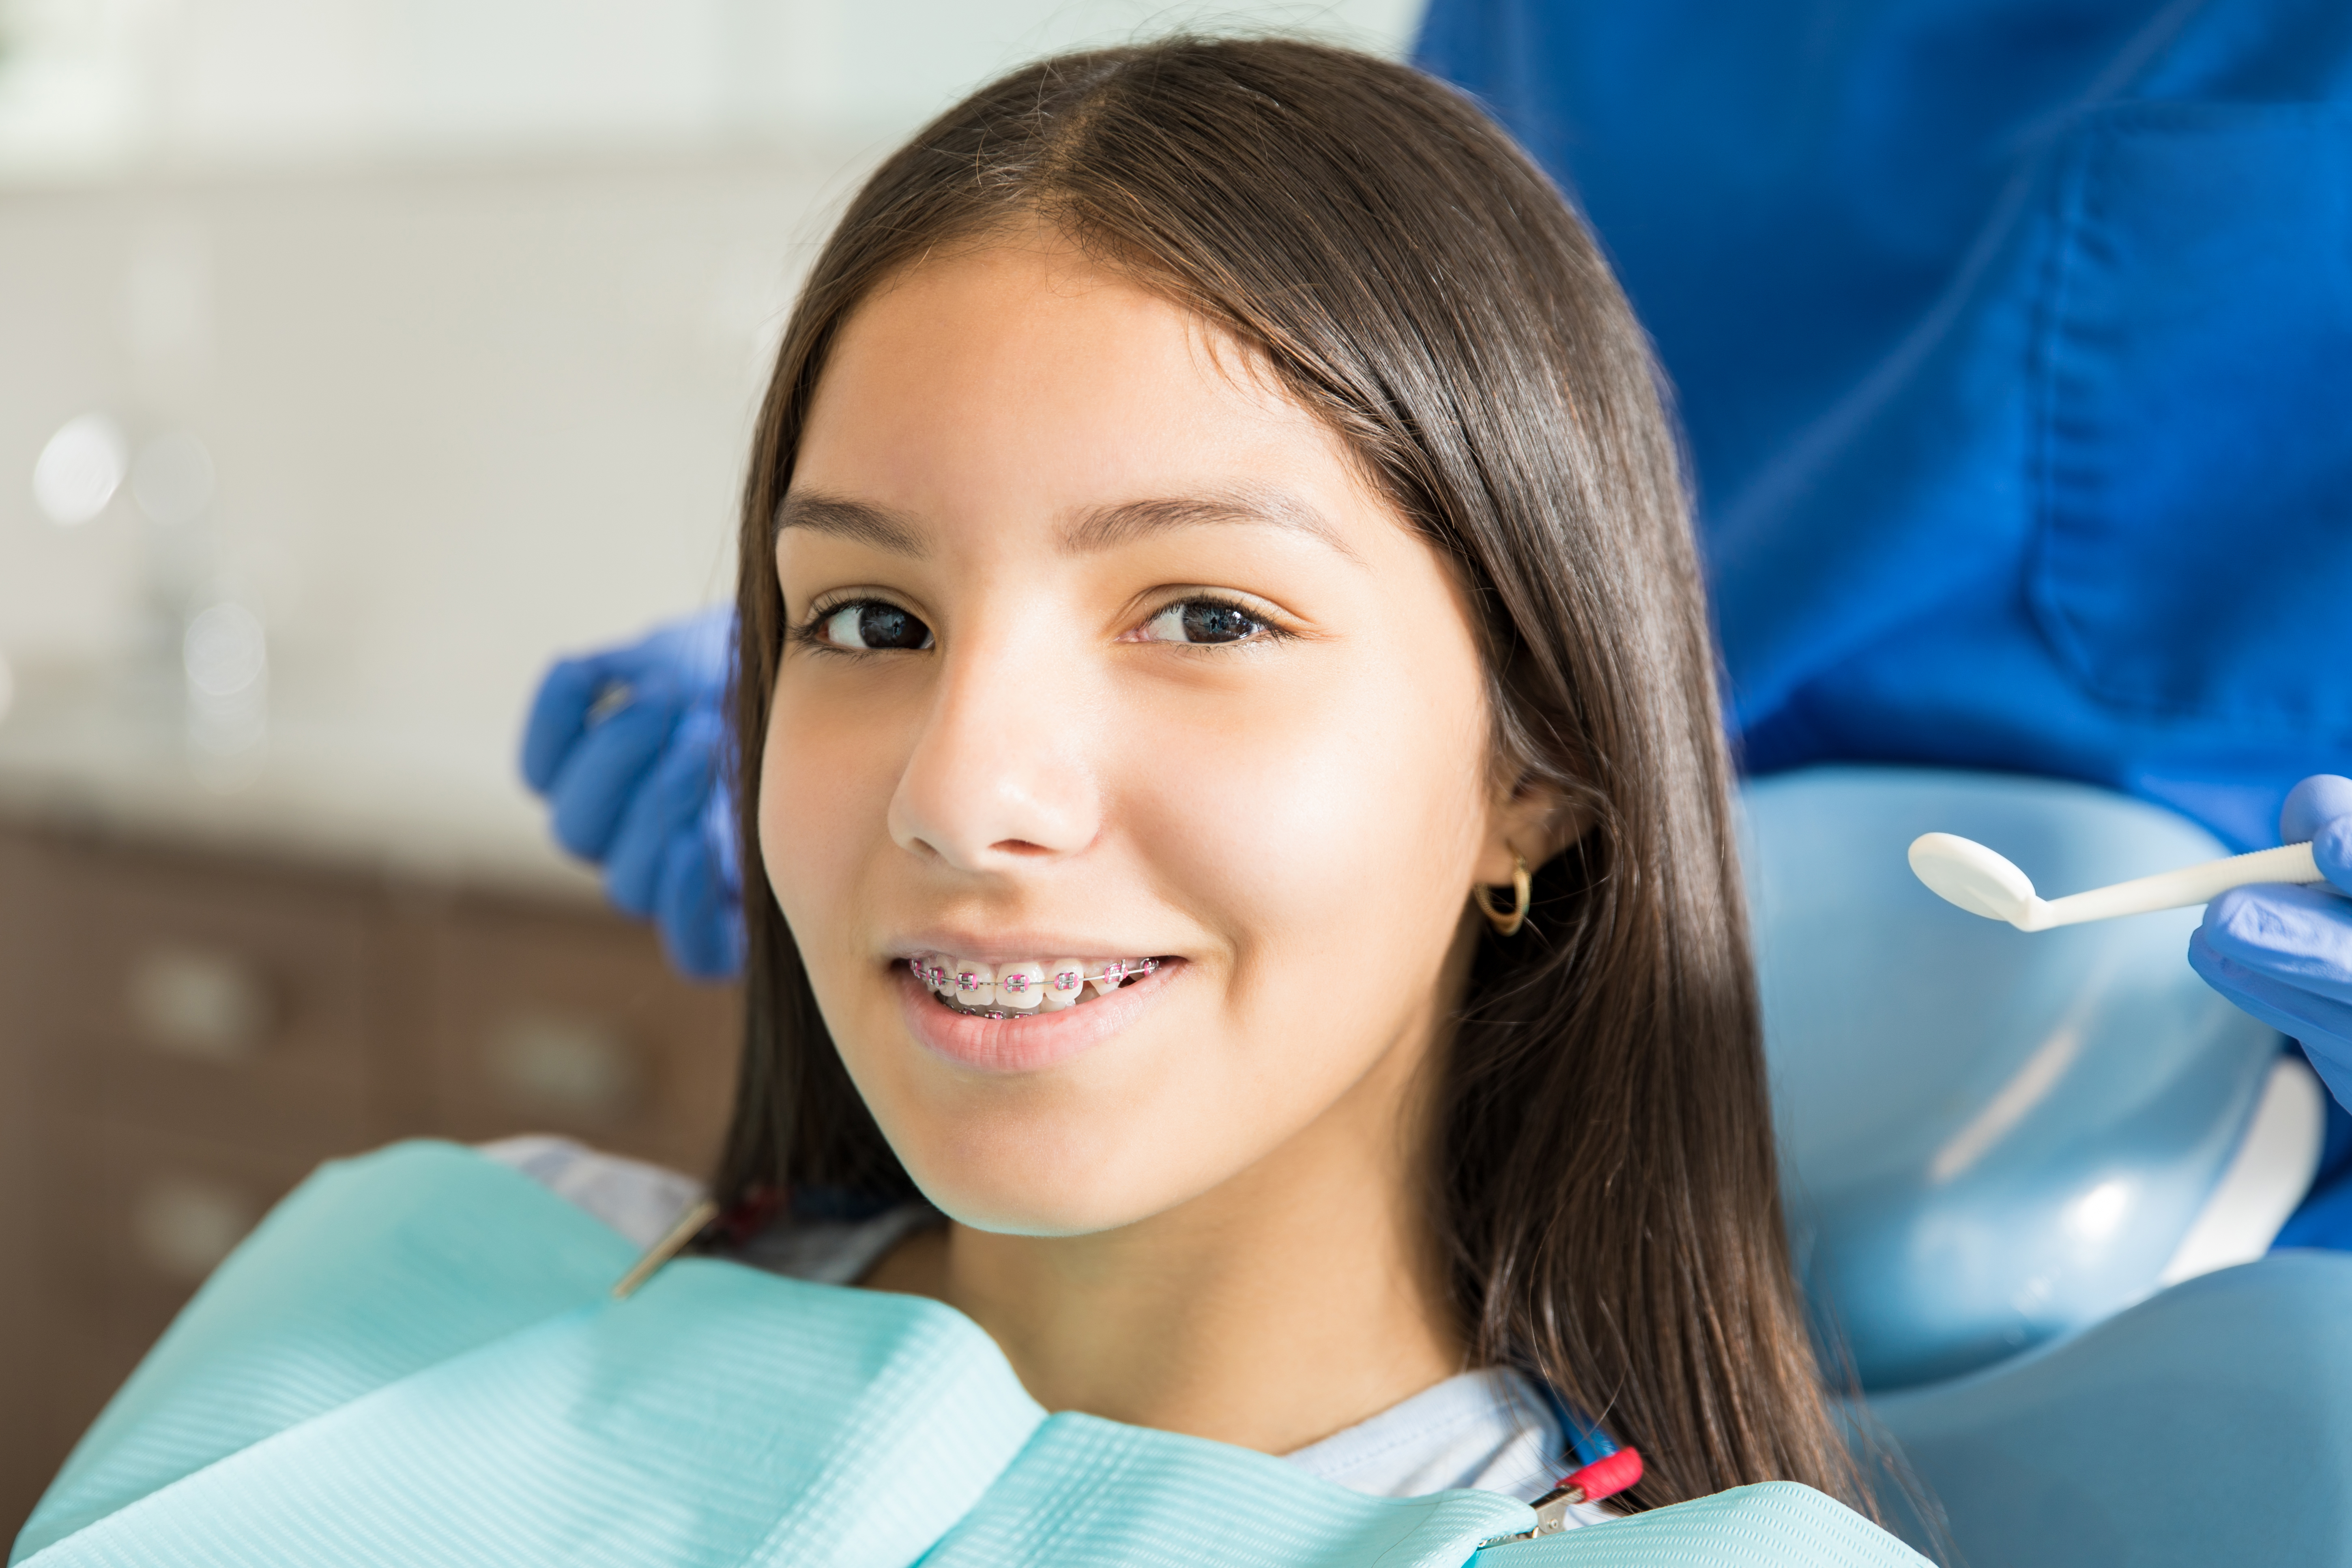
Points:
(356, 357)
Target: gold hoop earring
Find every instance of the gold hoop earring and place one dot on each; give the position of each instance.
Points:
(1521, 894)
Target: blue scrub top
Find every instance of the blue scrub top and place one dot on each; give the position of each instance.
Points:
(2014, 340)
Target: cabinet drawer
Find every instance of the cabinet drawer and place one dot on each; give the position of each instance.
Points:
(144, 1217)
(134, 1219)
(221, 1002)
(548, 1021)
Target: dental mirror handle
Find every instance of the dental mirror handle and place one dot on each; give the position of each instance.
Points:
(2177, 890)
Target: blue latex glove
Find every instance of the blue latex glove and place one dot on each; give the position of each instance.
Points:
(627, 745)
(2285, 953)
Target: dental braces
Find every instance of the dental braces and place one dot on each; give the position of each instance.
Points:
(1065, 981)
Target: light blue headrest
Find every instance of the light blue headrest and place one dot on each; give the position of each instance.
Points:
(2211, 1424)
(1988, 1138)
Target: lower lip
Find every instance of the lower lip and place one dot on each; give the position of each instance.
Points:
(1029, 1044)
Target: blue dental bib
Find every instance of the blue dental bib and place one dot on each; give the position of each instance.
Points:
(415, 1361)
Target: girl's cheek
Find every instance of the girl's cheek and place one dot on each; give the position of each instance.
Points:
(1326, 835)
(824, 790)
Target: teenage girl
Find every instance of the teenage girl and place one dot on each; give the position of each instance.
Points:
(1226, 714)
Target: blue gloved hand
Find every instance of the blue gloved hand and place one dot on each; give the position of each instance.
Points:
(2284, 952)
(627, 745)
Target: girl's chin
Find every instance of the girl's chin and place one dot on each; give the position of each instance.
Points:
(1030, 1043)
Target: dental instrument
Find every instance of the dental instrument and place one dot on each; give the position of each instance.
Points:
(1964, 872)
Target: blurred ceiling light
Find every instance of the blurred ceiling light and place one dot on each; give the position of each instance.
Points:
(224, 651)
(80, 470)
(171, 478)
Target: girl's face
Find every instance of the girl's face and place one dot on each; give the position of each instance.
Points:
(1105, 652)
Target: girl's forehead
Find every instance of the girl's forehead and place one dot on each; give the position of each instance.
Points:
(1025, 369)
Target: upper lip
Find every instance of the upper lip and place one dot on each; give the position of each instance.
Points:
(1017, 947)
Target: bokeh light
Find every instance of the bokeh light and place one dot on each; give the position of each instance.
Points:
(80, 469)
(224, 651)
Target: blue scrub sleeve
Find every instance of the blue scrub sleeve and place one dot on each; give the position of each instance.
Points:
(2009, 351)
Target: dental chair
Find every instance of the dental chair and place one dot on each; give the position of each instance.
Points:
(2032, 1183)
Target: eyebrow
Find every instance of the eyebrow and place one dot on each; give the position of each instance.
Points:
(852, 520)
(1095, 530)
(1108, 527)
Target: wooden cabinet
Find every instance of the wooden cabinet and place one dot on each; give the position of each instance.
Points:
(184, 1036)
(571, 1023)
(210, 1001)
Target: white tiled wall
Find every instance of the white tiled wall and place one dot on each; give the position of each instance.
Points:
(105, 84)
(457, 418)
(467, 300)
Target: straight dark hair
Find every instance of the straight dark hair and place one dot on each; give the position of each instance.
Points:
(1606, 1184)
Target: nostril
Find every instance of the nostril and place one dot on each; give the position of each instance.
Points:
(1020, 846)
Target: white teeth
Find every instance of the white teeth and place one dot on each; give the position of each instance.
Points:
(1021, 986)
(975, 984)
(1064, 984)
(1026, 985)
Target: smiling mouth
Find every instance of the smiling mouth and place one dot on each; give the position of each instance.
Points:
(1025, 989)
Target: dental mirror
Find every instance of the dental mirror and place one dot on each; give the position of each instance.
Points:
(1964, 872)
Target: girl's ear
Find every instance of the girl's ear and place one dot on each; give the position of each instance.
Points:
(1536, 819)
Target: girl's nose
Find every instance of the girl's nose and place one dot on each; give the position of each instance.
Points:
(997, 779)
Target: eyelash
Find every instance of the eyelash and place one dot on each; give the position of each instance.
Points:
(810, 633)
(1268, 629)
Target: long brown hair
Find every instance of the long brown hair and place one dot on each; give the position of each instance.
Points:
(1606, 1183)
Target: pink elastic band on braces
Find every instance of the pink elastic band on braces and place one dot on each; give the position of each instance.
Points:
(1065, 981)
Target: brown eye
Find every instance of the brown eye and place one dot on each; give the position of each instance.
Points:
(871, 624)
(1202, 621)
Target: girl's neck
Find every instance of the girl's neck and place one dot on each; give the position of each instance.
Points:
(1288, 1303)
